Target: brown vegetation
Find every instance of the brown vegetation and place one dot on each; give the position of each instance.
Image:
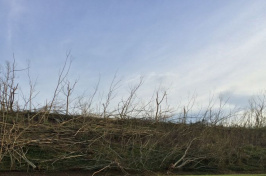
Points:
(52, 139)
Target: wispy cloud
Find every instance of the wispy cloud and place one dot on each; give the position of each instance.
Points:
(235, 63)
(213, 48)
(16, 9)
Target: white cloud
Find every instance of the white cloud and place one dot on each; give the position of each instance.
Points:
(232, 60)
(16, 9)
(228, 65)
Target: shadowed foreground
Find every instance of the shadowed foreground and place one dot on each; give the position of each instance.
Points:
(54, 142)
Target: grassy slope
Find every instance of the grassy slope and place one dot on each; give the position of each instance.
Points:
(55, 142)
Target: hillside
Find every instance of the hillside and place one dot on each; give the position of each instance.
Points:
(134, 136)
(52, 142)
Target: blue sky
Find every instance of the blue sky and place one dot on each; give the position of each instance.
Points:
(185, 46)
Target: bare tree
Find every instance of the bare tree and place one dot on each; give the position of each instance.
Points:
(187, 109)
(8, 86)
(28, 101)
(162, 109)
(257, 110)
(126, 106)
(67, 90)
(83, 104)
(159, 101)
(110, 96)
(63, 73)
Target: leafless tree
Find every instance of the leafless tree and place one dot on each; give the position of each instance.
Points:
(257, 110)
(159, 100)
(67, 90)
(63, 73)
(28, 100)
(126, 106)
(84, 104)
(111, 94)
(8, 86)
